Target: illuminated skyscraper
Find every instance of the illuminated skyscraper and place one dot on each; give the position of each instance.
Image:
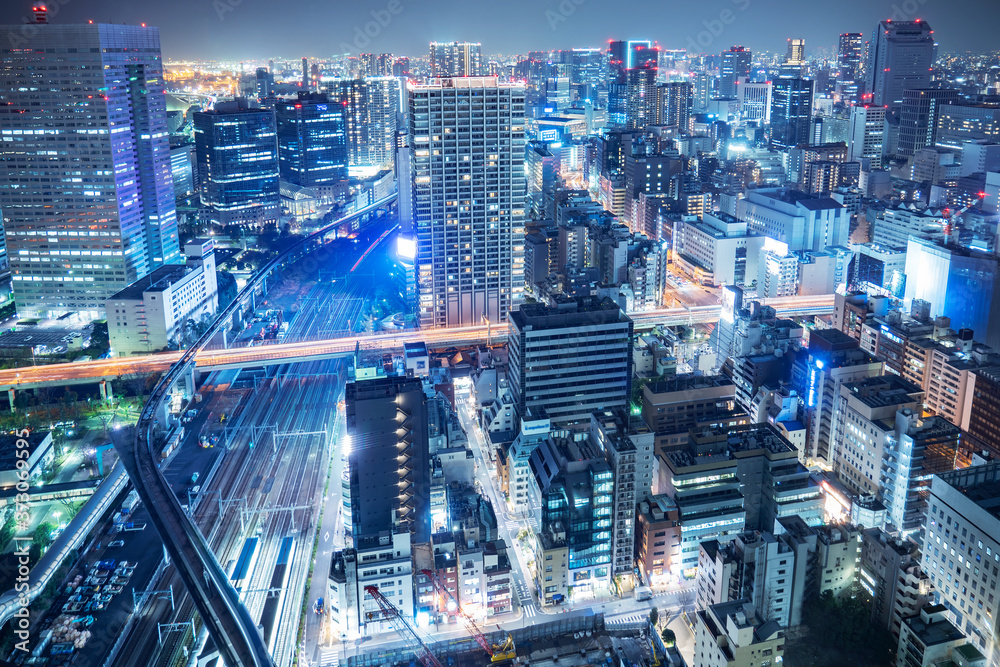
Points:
(850, 56)
(312, 151)
(370, 108)
(467, 191)
(238, 164)
(85, 183)
(900, 55)
(456, 59)
(796, 52)
(791, 112)
(735, 65)
(867, 134)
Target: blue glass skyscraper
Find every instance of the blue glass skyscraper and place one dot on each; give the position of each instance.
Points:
(312, 149)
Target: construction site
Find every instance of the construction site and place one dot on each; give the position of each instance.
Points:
(581, 639)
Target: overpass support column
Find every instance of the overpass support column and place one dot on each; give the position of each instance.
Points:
(10, 397)
(107, 394)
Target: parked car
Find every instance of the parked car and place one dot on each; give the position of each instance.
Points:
(116, 544)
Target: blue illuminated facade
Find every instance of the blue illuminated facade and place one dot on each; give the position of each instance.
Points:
(961, 284)
(312, 146)
(237, 153)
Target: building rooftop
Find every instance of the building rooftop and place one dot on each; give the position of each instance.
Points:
(933, 632)
(571, 313)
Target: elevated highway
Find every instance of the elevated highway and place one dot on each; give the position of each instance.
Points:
(331, 348)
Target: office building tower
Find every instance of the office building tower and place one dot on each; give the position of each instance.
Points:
(866, 134)
(791, 112)
(754, 102)
(371, 107)
(981, 418)
(312, 151)
(401, 66)
(850, 56)
(237, 152)
(962, 509)
(541, 169)
(389, 459)
(456, 59)
(587, 68)
(850, 65)
(265, 83)
(305, 74)
(674, 102)
(467, 193)
(796, 54)
(958, 283)
(570, 360)
(84, 221)
(918, 118)
(900, 55)
(735, 67)
(625, 55)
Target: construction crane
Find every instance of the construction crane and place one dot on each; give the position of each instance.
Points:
(403, 627)
(497, 652)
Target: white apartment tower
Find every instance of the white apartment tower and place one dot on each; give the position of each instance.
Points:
(866, 134)
(456, 59)
(467, 191)
(85, 184)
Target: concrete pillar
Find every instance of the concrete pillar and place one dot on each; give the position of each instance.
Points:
(107, 395)
(10, 397)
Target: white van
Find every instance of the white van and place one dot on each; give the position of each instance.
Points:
(643, 593)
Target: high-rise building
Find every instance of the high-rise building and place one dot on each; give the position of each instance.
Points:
(959, 123)
(625, 55)
(570, 360)
(466, 186)
(305, 75)
(794, 218)
(265, 83)
(238, 174)
(632, 104)
(388, 458)
(370, 106)
(900, 55)
(850, 56)
(754, 101)
(311, 145)
(866, 134)
(796, 54)
(918, 118)
(674, 102)
(962, 509)
(587, 68)
(376, 64)
(456, 59)
(86, 219)
(791, 112)
(735, 66)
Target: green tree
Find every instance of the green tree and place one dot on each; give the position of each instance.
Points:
(654, 616)
(668, 636)
(227, 288)
(43, 535)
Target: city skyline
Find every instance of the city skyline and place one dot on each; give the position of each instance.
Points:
(239, 29)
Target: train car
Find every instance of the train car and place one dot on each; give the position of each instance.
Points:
(243, 570)
(275, 605)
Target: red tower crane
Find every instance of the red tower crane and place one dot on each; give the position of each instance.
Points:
(497, 652)
(403, 627)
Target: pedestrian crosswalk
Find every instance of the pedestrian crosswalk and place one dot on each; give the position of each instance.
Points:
(329, 658)
(529, 610)
(514, 527)
(626, 620)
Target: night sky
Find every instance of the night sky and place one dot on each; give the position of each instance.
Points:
(262, 29)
